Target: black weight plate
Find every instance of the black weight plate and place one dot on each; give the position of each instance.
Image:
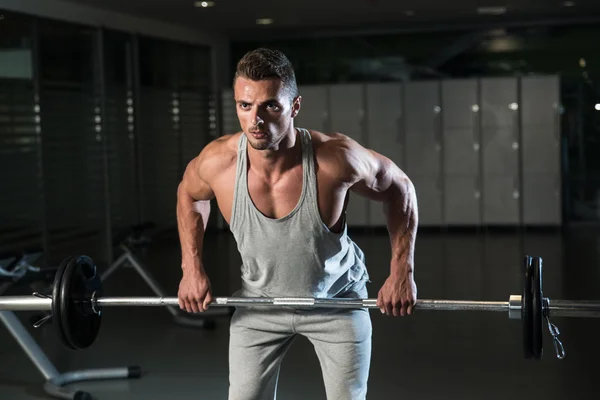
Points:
(80, 324)
(527, 309)
(56, 301)
(538, 311)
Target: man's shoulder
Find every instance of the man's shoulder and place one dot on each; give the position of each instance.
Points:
(330, 144)
(333, 153)
(218, 155)
(221, 149)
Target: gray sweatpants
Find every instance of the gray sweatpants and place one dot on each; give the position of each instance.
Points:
(260, 339)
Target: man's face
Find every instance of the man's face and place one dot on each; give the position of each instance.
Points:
(265, 111)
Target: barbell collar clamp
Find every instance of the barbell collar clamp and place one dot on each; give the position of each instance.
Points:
(514, 307)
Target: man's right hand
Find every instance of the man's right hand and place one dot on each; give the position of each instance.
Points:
(194, 292)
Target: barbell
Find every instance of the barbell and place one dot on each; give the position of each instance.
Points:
(76, 305)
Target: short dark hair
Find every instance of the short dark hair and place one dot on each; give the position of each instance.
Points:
(263, 63)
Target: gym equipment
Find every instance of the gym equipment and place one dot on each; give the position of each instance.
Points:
(132, 240)
(19, 268)
(77, 305)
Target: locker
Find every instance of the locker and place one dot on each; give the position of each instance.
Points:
(460, 103)
(542, 199)
(314, 108)
(194, 114)
(429, 198)
(160, 155)
(230, 121)
(423, 139)
(499, 102)
(423, 154)
(501, 200)
(541, 125)
(500, 147)
(73, 169)
(462, 200)
(541, 150)
(384, 120)
(540, 97)
(422, 106)
(122, 163)
(22, 201)
(384, 132)
(347, 112)
(461, 151)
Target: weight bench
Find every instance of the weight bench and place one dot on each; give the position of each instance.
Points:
(135, 238)
(19, 269)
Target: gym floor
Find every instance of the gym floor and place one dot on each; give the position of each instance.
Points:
(429, 355)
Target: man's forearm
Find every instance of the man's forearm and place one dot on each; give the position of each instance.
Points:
(192, 218)
(402, 217)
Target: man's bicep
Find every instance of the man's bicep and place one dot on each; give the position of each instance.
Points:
(374, 173)
(391, 183)
(371, 182)
(194, 182)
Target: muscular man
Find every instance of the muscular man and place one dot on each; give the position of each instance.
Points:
(283, 191)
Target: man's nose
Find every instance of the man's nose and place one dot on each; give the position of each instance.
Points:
(256, 118)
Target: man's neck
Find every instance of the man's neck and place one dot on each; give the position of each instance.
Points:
(273, 163)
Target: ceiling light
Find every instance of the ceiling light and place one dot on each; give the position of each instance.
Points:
(204, 4)
(409, 13)
(503, 44)
(569, 3)
(491, 10)
(597, 107)
(264, 21)
(498, 32)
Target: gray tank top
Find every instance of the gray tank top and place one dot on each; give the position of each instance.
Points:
(296, 255)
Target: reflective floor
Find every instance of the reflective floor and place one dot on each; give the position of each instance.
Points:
(430, 355)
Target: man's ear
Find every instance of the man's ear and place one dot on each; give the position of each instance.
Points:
(296, 105)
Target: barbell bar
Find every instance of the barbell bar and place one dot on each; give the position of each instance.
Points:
(555, 308)
(76, 305)
(44, 303)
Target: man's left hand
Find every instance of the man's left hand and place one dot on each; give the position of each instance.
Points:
(398, 295)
